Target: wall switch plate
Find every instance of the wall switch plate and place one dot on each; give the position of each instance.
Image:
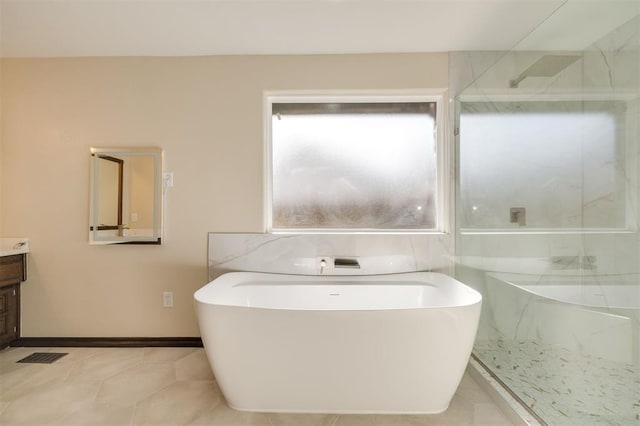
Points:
(134, 217)
(167, 179)
(167, 299)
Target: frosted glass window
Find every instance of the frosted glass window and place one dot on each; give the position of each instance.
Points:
(354, 166)
(564, 161)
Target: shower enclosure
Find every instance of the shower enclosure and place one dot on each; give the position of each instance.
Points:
(547, 212)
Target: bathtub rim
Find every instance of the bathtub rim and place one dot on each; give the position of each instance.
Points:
(475, 295)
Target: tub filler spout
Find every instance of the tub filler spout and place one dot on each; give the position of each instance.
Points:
(323, 264)
(346, 263)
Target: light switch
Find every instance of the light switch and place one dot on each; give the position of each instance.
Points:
(167, 179)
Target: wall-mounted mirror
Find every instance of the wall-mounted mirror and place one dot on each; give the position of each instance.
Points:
(126, 196)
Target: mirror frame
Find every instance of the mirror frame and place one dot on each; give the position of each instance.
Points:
(115, 154)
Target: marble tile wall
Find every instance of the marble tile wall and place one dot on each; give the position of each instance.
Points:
(301, 254)
(610, 69)
(568, 361)
(561, 317)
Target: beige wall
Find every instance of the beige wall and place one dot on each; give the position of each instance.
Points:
(206, 113)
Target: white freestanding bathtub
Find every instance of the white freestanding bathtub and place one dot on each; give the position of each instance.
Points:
(338, 344)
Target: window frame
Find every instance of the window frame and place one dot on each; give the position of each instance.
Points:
(443, 159)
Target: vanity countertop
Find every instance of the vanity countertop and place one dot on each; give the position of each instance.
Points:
(11, 246)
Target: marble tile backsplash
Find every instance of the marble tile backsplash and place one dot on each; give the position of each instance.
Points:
(610, 253)
(301, 253)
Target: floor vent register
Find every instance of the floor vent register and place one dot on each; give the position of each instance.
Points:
(43, 357)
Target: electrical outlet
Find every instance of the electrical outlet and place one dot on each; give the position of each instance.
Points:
(167, 299)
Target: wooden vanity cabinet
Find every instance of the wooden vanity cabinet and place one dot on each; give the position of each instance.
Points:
(13, 270)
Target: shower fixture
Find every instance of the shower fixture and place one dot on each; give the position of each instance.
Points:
(547, 66)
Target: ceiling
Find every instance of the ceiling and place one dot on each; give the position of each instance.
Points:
(62, 28)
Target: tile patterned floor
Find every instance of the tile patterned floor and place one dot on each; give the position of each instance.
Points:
(565, 387)
(169, 386)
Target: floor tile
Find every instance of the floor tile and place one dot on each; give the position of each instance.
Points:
(460, 412)
(194, 366)
(172, 386)
(166, 354)
(31, 378)
(222, 415)
(49, 404)
(563, 384)
(11, 355)
(8, 358)
(103, 363)
(99, 415)
(302, 419)
(75, 354)
(490, 415)
(470, 390)
(136, 383)
(179, 403)
(373, 419)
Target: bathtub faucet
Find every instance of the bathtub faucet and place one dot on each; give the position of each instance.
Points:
(346, 263)
(323, 264)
